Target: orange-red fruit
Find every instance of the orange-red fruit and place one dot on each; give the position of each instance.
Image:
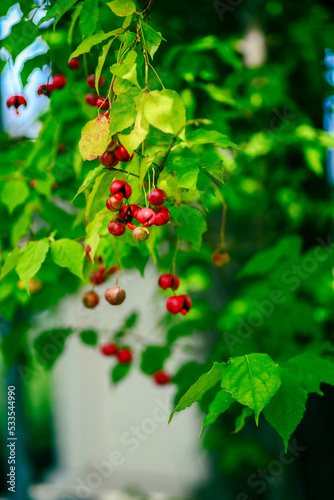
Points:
(157, 197)
(169, 281)
(162, 216)
(33, 183)
(90, 299)
(91, 99)
(91, 81)
(220, 258)
(120, 189)
(146, 217)
(124, 356)
(103, 103)
(115, 295)
(97, 277)
(108, 159)
(113, 204)
(122, 154)
(161, 378)
(116, 228)
(141, 234)
(59, 82)
(109, 349)
(74, 64)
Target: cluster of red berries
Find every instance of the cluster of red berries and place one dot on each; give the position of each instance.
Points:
(16, 101)
(93, 99)
(176, 303)
(124, 356)
(57, 82)
(114, 295)
(121, 191)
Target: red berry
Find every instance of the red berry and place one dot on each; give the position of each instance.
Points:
(108, 159)
(120, 188)
(109, 349)
(162, 216)
(45, 89)
(169, 281)
(174, 304)
(33, 183)
(115, 295)
(157, 197)
(74, 63)
(124, 356)
(91, 81)
(122, 154)
(90, 299)
(146, 216)
(127, 212)
(186, 304)
(162, 378)
(97, 277)
(220, 258)
(59, 82)
(91, 99)
(113, 204)
(131, 226)
(141, 234)
(116, 228)
(16, 101)
(103, 103)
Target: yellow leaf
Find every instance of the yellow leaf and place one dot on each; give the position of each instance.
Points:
(94, 138)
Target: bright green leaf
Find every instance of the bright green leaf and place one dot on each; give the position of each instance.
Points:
(13, 194)
(68, 253)
(152, 38)
(11, 261)
(100, 64)
(119, 372)
(90, 41)
(202, 136)
(122, 8)
(199, 388)
(164, 109)
(88, 179)
(193, 224)
(219, 405)
(312, 370)
(89, 337)
(31, 259)
(123, 111)
(127, 69)
(252, 380)
(241, 419)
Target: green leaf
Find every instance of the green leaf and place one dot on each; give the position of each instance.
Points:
(122, 8)
(131, 320)
(50, 345)
(267, 260)
(31, 64)
(95, 138)
(187, 170)
(219, 405)
(286, 409)
(94, 191)
(100, 64)
(31, 259)
(68, 253)
(153, 359)
(312, 370)
(90, 41)
(127, 69)
(74, 19)
(123, 111)
(202, 136)
(21, 35)
(199, 388)
(11, 261)
(13, 194)
(215, 169)
(88, 179)
(121, 86)
(252, 380)
(89, 17)
(57, 11)
(193, 224)
(241, 419)
(14, 343)
(119, 372)
(152, 38)
(92, 233)
(168, 182)
(138, 134)
(164, 109)
(89, 337)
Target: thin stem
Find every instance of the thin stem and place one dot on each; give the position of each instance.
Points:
(85, 64)
(124, 171)
(117, 261)
(174, 258)
(223, 223)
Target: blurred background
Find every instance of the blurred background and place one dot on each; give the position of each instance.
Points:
(263, 72)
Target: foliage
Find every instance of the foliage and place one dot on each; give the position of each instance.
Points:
(267, 316)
